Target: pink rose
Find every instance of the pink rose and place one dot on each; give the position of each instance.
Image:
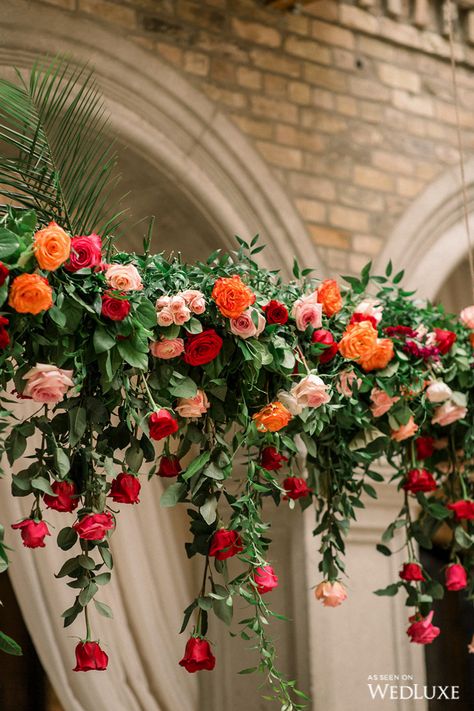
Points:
(448, 413)
(405, 431)
(467, 316)
(437, 391)
(193, 406)
(167, 348)
(165, 317)
(181, 313)
(421, 630)
(370, 307)
(47, 383)
(381, 402)
(307, 312)
(244, 326)
(265, 579)
(123, 277)
(311, 391)
(331, 594)
(86, 253)
(456, 577)
(195, 300)
(345, 383)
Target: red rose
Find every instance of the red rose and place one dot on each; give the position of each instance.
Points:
(90, 657)
(4, 272)
(421, 630)
(198, 656)
(113, 308)
(202, 347)
(86, 253)
(161, 424)
(412, 572)
(271, 459)
(358, 318)
(225, 544)
(93, 527)
(456, 577)
(325, 338)
(265, 579)
(462, 510)
(295, 488)
(276, 312)
(420, 480)
(125, 489)
(65, 499)
(169, 466)
(33, 532)
(424, 447)
(444, 340)
(4, 337)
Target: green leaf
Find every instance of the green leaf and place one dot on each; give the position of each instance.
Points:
(77, 424)
(61, 462)
(103, 609)
(463, 539)
(9, 242)
(390, 590)
(106, 556)
(172, 495)
(67, 537)
(223, 611)
(103, 578)
(134, 357)
(182, 386)
(9, 646)
(40, 483)
(208, 510)
(102, 340)
(86, 594)
(197, 465)
(383, 549)
(57, 316)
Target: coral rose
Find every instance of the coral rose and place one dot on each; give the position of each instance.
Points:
(455, 577)
(47, 383)
(244, 325)
(405, 431)
(381, 402)
(265, 579)
(346, 381)
(225, 544)
(420, 480)
(421, 630)
(232, 296)
(331, 594)
(380, 356)
(193, 406)
(167, 348)
(311, 391)
(272, 417)
(412, 572)
(123, 277)
(32, 532)
(86, 253)
(51, 246)
(307, 311)
(448, 413)
(90, 657)
(358, 341)
(198, 656)
(330, 297)
(65, 499)
(467, 316)
(30, 294)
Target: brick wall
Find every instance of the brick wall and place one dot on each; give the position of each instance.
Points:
(351, 108)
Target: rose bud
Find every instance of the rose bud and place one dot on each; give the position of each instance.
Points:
(94, 527)
(198, 656)
(161, 424)
(421, 630)
(113, 308)
(412, 572)
(295, 488)
(424, 447)
(125, 489)
(330, 594)
(33, 532)
(462, 510)
(169, 466)
(90, 657)
(265, 579)
(456, 577)
(66, 498)
(225, 544)
(276, 312)
(419, 480)
(325, 338)
(444, 340)
(271, 459)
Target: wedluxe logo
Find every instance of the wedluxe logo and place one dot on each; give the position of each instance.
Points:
(402, 687)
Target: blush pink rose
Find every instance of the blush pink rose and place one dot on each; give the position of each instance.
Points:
(331, 594)
(370, 307)
(181, 313)
(195, 300)
(448, 413)
(47, 383)
(438, 391)
(381, 402)
(405, 431)
(244, 326)
(193, 406)
(290, 402)
(345, 382)
(307, 312)
(167, 348)
(467, 316)
(123, 277)
(165, 317)
(311, 391)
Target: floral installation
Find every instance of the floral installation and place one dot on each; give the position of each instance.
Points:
(255, 389)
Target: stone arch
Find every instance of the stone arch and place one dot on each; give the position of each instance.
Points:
(429, 241)
(172, 125)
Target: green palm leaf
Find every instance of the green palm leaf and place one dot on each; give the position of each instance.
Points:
(56, 155)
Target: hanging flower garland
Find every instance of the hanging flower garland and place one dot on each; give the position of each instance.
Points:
(256, 389)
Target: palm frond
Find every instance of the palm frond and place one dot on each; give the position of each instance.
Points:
(56, 154)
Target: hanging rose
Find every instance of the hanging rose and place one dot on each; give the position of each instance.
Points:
(113, 308)
(202, 348)
(169, 467)
(47, 383)
(276, 312)
(405, 431)
(271, 459)
(32, 532)
(161, 424)
(30, 294)
(65, 499)
(455, 577)
(463, 510)
(447, 413)
(424, 447)
(51, 246)
(421, 631)
(198, 656)
(86, 253)
(330, 297)
(265, 579)
(295, 488)
(381, 402)
(444, 340)
(232, 296)
(272, 417)
(346, 381)
(419, 480)
(125, 489)
(94, 527)
(331, 594)
(225, 544)
(412, 572)
(90, 657)
(192, 407)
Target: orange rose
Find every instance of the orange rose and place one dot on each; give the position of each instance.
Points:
(381, 356)
(52, 247)
(272, 417)
(330, 297)
(359, 341)
(232, 296)
(405, 431)
(30, 294)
